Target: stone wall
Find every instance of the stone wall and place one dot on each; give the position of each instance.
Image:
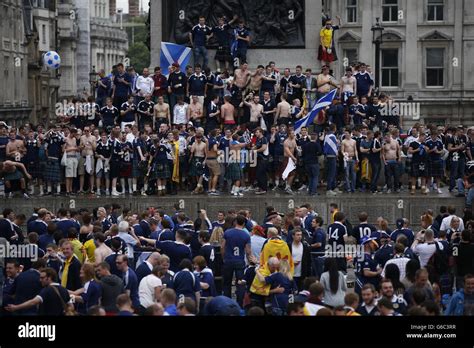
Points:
(391, 207)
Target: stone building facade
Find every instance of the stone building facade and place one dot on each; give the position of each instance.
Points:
(425, 54)
(14, 101)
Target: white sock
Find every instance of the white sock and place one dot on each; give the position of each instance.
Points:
(130, 186)
(50, 188)
(59, 188)
(145, 187)
(233, 189)
(41, 189)
(134, 187)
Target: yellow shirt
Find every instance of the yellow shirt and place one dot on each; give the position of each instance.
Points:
(89, 247)
(326, 36)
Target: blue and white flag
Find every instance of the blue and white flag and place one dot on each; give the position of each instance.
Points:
(173, 53)
(320, 105)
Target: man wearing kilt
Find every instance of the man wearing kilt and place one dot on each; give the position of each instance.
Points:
(126, 164)
(52, 175)
(435, 162)
(140, 164)
(32, 159)
(234, 173)
(418, 168)
(160, 169)
(221, 32)
(197, 159)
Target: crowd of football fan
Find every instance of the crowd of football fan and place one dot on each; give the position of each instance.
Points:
(117, 262)
(237, 134)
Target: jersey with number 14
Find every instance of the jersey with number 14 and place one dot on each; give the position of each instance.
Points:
(336, 233)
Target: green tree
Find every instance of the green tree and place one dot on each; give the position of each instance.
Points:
(139, 56)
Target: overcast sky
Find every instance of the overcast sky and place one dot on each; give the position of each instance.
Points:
(124, 4)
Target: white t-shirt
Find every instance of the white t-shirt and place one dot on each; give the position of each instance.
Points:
(180, 114)
(297, 253)
(425, 251)
(146, 290)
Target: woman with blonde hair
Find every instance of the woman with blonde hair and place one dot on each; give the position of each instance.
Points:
(217, 236)
(281, 284)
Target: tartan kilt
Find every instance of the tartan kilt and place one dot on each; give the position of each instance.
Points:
(137, 169)
(125, 170)
(419, 169)
(160, 171)
(233, 172)
(196, 168)
(435, 169)
(34, 170)
(52, 171)
(223, 54)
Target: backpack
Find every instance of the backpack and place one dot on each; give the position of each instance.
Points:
(438, 262)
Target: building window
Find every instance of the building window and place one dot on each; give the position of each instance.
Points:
(435, 67)
(43, 34)
(390, 67)
(435, 10)
(351, 11)
(351, 55)
(390, 10)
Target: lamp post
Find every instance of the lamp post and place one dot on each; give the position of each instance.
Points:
(377, 40)
(93, 80)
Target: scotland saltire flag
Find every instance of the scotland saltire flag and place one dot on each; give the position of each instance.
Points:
(320, 104)
(173, 53)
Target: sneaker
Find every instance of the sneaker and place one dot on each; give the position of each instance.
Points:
(107, 193)
(289, 191)
(389, 191)
(143, 193)
(275, 188)
(115, 193)
(331, 193)
(302, 188)
(25, 196)
(336, 190)
(439, 191)
(412, 192)
(240, 194)
(260, 192)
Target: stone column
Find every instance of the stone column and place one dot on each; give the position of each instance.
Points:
(156, 31)
(412, 81)
(83, 58)
(458, 47)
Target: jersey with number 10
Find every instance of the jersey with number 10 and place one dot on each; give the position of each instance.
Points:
(336, 233)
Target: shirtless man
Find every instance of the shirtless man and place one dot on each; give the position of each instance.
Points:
(349, 152)
(325, 82)
(161, 112)
(211, 162)
(283, 112)
(88, 144)
(12, 171)
(242, 76)
(195, 111)
(228, 112)
(391, 156)
(348, 86)
(198, 156)
(15, 149)
(256, 111)
(256, 80)
(70, 148)
(289, 151)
